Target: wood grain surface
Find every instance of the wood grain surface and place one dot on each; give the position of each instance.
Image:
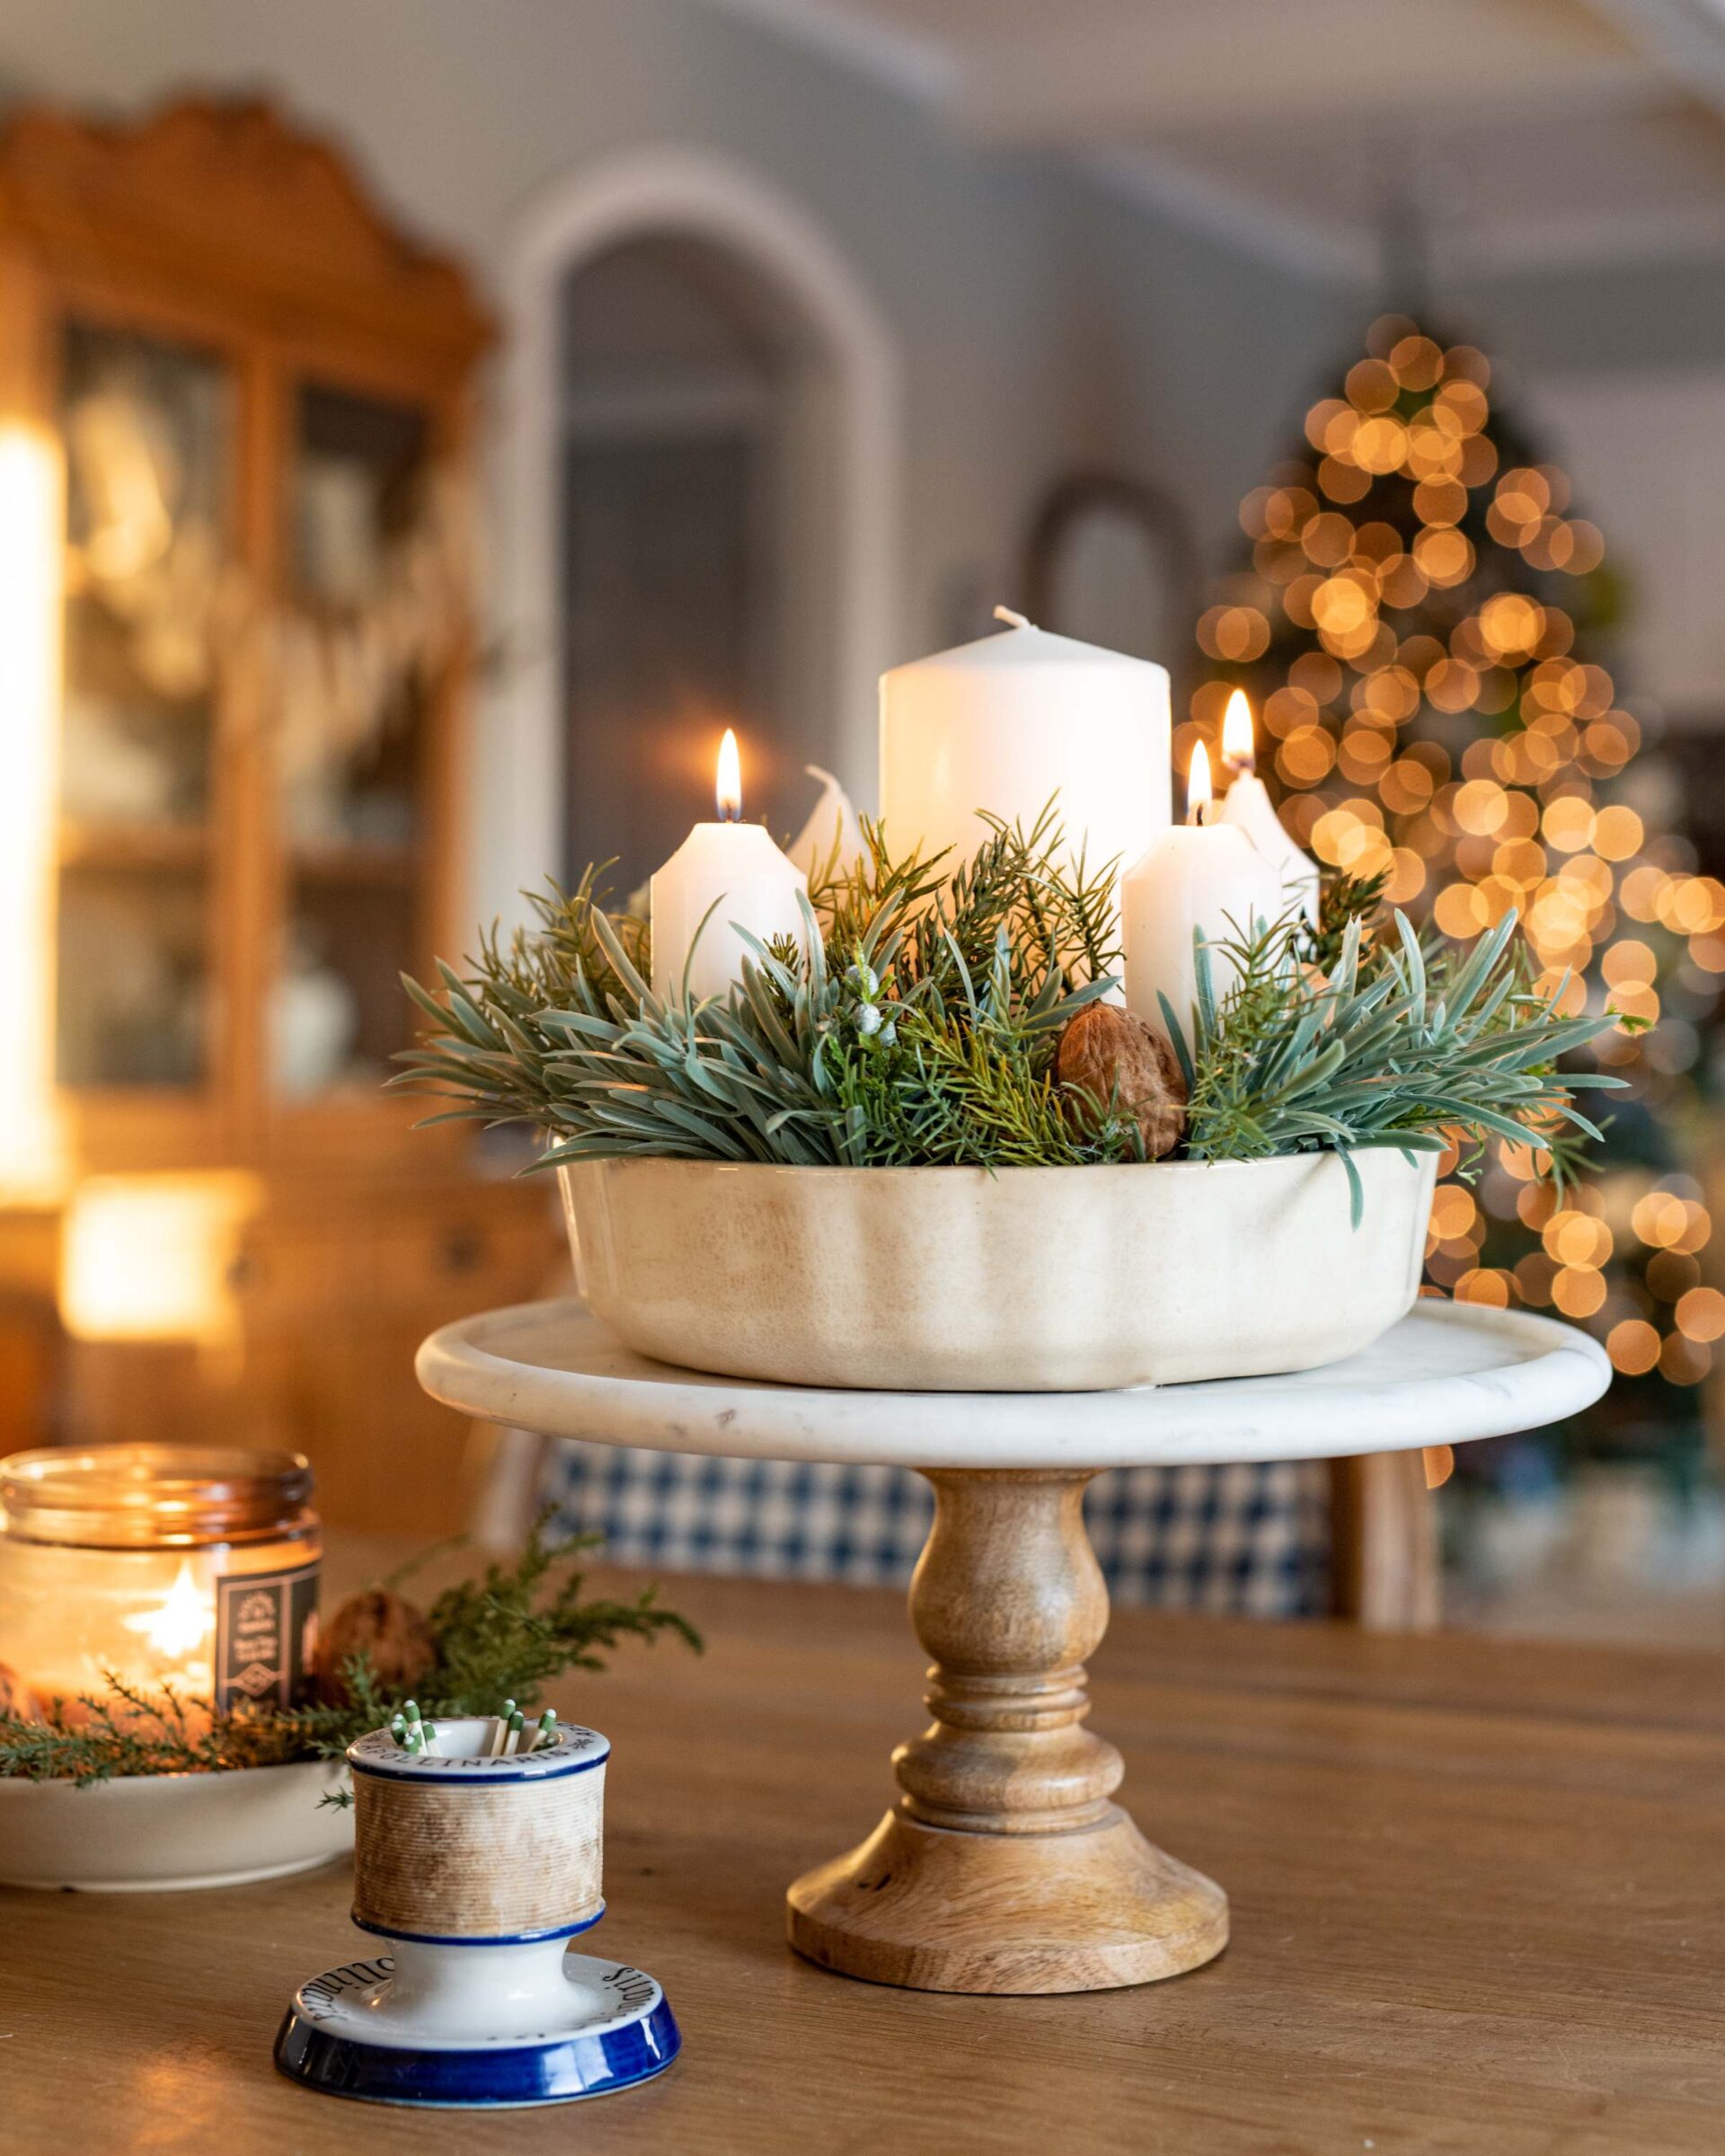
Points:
(1477, 1894)
(1003, 1867)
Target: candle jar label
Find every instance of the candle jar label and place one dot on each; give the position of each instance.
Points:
(265, 1632)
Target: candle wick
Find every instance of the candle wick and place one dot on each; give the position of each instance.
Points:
(1012, 620)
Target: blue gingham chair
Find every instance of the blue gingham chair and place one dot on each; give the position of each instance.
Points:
(1243, 1541)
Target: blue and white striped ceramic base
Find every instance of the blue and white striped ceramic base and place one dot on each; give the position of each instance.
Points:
(612, 2031)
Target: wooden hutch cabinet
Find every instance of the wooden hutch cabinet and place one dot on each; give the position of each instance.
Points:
(235, 409)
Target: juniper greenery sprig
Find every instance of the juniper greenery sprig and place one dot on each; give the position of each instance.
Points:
(510, 1632)
(506, 1634)
(123, 1730)
(1399, 1047)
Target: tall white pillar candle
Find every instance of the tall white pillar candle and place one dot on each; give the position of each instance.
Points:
(1009, 722)
(730, 875)
(1247, 805)
(1199, 875)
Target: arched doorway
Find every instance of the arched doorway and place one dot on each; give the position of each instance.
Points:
(694, 578)
(700, 519)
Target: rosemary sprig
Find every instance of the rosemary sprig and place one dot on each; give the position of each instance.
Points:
(1398, 1048)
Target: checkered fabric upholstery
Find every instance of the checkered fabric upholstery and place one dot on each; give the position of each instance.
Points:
(1243, 1541)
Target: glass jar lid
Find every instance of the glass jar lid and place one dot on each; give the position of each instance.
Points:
(152, 1497)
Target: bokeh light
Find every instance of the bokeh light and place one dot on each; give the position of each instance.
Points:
(1419, 628)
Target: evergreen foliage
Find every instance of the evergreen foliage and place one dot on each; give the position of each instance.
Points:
(504, 1635)
(919, 1028)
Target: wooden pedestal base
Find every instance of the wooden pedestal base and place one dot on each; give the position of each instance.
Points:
(940, 1911)
(1005, 1867)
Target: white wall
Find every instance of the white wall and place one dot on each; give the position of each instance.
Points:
(1646, 452)
(1622, 371)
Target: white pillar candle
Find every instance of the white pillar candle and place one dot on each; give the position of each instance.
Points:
(1200, 875)
(1009, 722)
(1247, 804)
(732, 871)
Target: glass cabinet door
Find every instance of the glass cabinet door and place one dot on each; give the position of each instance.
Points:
(368, 610)
(147, 426)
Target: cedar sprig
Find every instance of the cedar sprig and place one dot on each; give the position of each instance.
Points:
(1343, 899)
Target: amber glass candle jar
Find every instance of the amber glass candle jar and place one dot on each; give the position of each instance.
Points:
(181, 1565)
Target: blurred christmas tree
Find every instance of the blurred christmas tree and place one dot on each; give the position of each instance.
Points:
(1420, 629)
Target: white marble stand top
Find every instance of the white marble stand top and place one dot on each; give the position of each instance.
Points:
(1446, 1372)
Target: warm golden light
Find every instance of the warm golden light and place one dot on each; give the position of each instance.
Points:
(182, 1621)
(30, 667)
(151, 1257)
(729, 788)
(1237, 751)
(1378, 611)
(1199, 794)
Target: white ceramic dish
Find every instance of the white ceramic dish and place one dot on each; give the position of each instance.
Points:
(1030, 1280)
(154, 1833)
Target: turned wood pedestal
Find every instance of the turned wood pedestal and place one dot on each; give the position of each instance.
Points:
(1006, 1866)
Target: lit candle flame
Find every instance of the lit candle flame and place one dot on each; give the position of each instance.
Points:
(1198, 791)
(1238, 747)
(181, 1623)
(729, 788)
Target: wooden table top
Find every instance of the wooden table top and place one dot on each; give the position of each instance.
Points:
(1478, 1894)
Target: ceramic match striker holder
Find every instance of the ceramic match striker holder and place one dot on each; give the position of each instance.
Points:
(478, 1870)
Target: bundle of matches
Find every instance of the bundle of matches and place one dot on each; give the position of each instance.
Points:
(509, 1726)
(411, 1733)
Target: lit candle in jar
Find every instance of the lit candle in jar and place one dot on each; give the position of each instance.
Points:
(726, 876)
(179, 1627)
(177, 1566)
(1202, 875)
(1247, 803)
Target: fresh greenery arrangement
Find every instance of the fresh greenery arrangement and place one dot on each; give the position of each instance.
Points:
(505, 1634)
(1396, 1048)
(919, 1028)
(922, 1028)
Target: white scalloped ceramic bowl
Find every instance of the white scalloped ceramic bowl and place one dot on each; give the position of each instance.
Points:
(150, 1833)
(1030, 1280)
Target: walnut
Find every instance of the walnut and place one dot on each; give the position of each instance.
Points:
(1108, 1053)
(16, 1697)
(384, 1625)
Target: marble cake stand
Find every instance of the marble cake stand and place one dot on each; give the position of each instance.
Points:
(1005, 1865)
